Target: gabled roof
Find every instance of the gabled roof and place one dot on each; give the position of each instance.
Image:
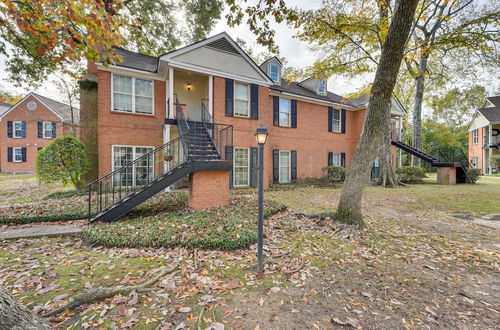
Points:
(495, 100)
(491, 114)
(271, 58)
(137, 61)
(4, 107)
(63, 111)
(295, 88)
(362, 101)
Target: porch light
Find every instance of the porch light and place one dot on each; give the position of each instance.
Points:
(261, 135)
(188, 86)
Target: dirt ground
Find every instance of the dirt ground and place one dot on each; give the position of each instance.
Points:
(415, 266)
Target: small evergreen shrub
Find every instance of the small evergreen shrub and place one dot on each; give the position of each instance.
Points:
(473, 174)
(410, 174)
(494, 162)
(335, 173)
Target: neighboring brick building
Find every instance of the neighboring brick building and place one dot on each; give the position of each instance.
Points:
(484, 135)
(28, 126)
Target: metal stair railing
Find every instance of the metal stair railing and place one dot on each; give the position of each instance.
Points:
(115, 187)
(220, 134)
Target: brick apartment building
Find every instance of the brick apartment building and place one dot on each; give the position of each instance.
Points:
(144, 102)
(28, 126)
(484, 135)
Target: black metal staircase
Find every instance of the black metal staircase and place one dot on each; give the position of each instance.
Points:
(197, 148)
(458, 160)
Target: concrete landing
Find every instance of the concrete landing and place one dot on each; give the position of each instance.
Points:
(39, 231)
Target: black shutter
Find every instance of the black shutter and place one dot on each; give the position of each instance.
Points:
(23, 129)
(253, 166)
(293, 165)
(9, 154)
(229, 97)
(229, 156)
(342, 118)
(294, 113)
(342, 159)
(9, 129)
(276, 166)
(40, 129)
(276, 111)
(254, 101)
(330, 118)
(330, 156)
(54, 129)
(23, 151)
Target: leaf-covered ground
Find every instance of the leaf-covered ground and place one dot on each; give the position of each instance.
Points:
(416, 267)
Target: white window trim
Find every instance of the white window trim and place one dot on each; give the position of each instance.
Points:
(234, 99)
(133, 158)
(331, 159)
(14, 129)
(14, 155)
(289, 166)
(234, 167)
(279, 72)
(475, 161)
(289, 112)
(133, 96)
(43, 130)
(340, 121)
(475, 136)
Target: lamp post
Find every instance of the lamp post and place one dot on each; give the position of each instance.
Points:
(261, 136)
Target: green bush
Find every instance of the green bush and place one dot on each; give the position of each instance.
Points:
(335, 173)
(410, 174)
(63, 160)
(65, 194)
(473, 174)
(224, 228)
(494, 162)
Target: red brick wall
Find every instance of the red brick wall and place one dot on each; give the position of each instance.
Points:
(311, 138)
(31, 142)
(208, 189)
(117, 128)
(476, 150)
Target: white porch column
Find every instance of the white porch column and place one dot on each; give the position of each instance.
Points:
(171, 92)
(211, 95)
(166, 139)
(490, 150)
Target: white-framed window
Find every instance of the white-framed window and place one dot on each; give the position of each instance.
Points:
(475, 162)
(17, 155)
(139, 173)
(336, 120)
(48, 130)
(274, 71)
(241, 167)
(241, 99)
(475, 136)
(284, 166)
(285, 106)
(335, 159)
(17, 129)
(322, 86)
(376, 162)
(132, 94)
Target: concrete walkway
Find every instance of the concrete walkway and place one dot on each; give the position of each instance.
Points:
(38, 231)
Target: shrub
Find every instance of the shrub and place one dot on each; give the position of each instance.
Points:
(494, 162)
(63, 160)
(224, 228)
(410, 174)
(335, 173)
(473, 174)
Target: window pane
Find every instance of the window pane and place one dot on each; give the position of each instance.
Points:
(18, 129)
(284, 166)
(122, 102)
(143, 104)
(241, 167)
(141, 167)
(143, 87)
(241, 108)
(121, 157)
(336, 125)
(336, 114)
(274, 73)
(18, 154)
(241, 91)
(322, 86)
(122, 84)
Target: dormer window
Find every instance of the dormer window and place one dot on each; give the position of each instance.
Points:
(274, 73)
(322, 86)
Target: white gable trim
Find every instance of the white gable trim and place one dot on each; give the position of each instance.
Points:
(477, 115)
(23, 99)
(169, 56)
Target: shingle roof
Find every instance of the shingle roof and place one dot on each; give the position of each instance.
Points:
(295, 88)
(495, 100)
(137, 61)
(4, 107)
(61, 109)
(491, 114)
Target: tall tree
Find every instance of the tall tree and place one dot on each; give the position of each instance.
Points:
(43, 36)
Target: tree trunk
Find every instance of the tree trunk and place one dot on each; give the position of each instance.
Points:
(14, 316)
(349, 208)
(417, 107)
(387, 177)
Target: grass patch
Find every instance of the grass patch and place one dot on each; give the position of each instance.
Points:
(65, 194)
(225, 228)
(75, 208)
